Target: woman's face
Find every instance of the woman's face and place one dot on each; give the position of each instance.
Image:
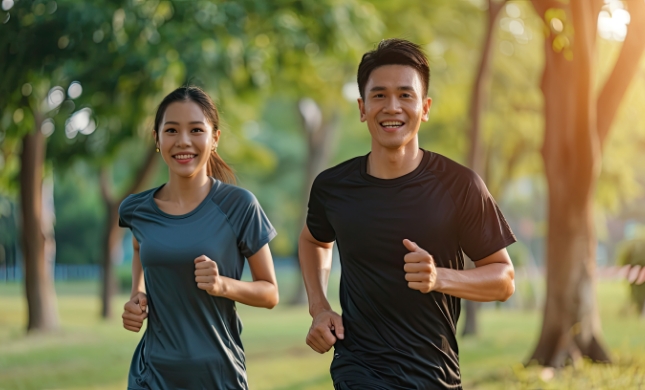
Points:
(186, 139)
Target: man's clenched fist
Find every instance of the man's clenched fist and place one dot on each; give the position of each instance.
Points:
(420, 269)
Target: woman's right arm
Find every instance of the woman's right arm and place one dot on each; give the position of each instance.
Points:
(138, 284)
(135, 310)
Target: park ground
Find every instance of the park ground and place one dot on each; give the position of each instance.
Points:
(87, 353)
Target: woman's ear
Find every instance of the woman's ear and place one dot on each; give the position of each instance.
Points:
(216, 135)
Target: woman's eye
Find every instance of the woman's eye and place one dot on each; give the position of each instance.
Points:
(171, 130)
(197, 129)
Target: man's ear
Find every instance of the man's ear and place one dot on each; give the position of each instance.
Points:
(361, 109)
(426, 109)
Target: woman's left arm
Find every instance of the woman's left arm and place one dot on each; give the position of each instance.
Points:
(261, 292)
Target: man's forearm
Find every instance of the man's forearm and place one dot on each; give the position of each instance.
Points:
(492, 282)
(315, 264)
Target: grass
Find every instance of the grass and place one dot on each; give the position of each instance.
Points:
(88, 353)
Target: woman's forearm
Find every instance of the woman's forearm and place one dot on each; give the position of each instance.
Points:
(138, 283)
(259, 293)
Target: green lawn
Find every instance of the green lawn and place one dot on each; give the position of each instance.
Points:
(91, 354)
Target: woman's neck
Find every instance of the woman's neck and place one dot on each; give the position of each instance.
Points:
(185, 190)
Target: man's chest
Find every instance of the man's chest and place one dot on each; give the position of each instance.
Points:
(379, 219)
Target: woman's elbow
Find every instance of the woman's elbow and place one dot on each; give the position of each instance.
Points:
(273, 298)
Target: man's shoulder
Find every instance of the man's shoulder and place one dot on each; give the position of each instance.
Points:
(340, 171)
(449, 170)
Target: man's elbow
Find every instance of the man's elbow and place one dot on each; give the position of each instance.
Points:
(508, 285)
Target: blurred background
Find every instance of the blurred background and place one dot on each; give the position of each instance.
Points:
(543, 98)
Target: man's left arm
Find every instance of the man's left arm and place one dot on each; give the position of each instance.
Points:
(492, 279)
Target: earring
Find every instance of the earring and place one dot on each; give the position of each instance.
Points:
(157, 150)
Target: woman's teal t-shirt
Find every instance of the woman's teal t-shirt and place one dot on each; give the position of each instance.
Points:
(192, 340)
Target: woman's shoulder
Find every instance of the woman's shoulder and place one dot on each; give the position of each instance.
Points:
(230, 198)
(132, 201)
(233, 192)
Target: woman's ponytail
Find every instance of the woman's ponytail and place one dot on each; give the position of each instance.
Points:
(219, 169)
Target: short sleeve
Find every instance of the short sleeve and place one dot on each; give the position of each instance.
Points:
(317, 221)
(253, 228)
(126, 209)
(483, 230)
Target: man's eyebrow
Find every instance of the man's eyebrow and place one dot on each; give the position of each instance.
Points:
(401, 88)
(191, 123)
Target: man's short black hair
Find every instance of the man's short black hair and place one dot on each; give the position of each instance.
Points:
(394, 52)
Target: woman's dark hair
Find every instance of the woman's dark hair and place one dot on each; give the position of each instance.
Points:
(394, 52)
(216, 166)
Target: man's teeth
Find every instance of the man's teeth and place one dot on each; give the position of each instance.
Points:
(392, 124)
(184, 156)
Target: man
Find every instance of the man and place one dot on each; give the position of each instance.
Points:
(401, 217)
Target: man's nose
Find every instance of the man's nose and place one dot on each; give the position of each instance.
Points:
(392, 105)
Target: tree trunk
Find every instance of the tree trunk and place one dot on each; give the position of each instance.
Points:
(111, 239)
(475, 153)
(576, 127)
(39, 286)
(571, 154)
(113, 234)
(320, 136)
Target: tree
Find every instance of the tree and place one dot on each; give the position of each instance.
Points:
(577, 123)
(32, 103)
(475, 158)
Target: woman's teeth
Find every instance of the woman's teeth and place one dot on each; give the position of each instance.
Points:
(184, 156)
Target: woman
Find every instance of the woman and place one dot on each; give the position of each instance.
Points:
(191, 236)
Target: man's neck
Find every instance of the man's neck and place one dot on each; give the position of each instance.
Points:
(384, 163)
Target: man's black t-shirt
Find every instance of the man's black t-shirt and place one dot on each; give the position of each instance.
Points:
(396, 337)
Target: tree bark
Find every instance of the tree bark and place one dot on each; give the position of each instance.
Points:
(319, 134)
(113, 234)
(39, 286)
(576, 125)
(476, 157)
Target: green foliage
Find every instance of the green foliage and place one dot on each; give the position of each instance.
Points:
(632, 253)
(124, 278)
(79, 213)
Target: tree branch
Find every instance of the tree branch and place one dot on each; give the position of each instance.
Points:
(624, 70)
(142, 174)
(104, 185)
(474, 157)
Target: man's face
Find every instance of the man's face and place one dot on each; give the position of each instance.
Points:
(394, 106)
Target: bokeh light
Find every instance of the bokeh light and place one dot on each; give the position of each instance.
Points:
(75, 90)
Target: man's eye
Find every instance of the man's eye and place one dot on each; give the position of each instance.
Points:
(406, 95)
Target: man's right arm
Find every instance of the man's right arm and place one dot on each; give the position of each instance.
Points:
(315, 264)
